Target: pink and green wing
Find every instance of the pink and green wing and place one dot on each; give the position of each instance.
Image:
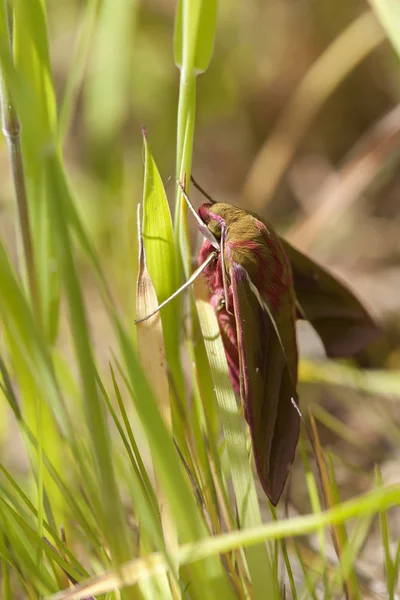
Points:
(266, 386)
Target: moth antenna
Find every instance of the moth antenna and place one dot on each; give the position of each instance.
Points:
(202, 190)
(188, 283)
(202, 226)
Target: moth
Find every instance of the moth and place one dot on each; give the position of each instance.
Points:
(259, 286)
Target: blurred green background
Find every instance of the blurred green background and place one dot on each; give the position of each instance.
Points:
(336, 125)
(262, 53)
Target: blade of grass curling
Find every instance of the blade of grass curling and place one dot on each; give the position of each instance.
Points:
(246, 497)
(132, 572)
(339, 534)
(153, 361)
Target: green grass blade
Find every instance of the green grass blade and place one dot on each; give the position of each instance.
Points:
(389, 564)
(78, 63)
(32, 61)
(286, 558)
(195, 23)
(162, 259)
(246, 498)
(27, 338)
(95, 414)
(132, 441)
(316, 507)
(6, 592)
(17, 534)
(362, 506)
(147, 512)
(29, 508)
(181, 502)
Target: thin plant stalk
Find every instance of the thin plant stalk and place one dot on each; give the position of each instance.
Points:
(185, 135)
(12, 131)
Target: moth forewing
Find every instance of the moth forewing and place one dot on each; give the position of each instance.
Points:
(266, 386)
(265, 307)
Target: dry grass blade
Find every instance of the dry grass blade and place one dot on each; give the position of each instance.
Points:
(358, 40)
(150, 335)
(338, 532)
(329, 372)
(151, 351)
(339, 190)
(144, 567)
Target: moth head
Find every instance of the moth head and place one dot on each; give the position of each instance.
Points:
(217, 215)
(207, 214)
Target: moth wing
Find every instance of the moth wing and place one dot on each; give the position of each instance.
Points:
(266, 387)
(343, 324)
